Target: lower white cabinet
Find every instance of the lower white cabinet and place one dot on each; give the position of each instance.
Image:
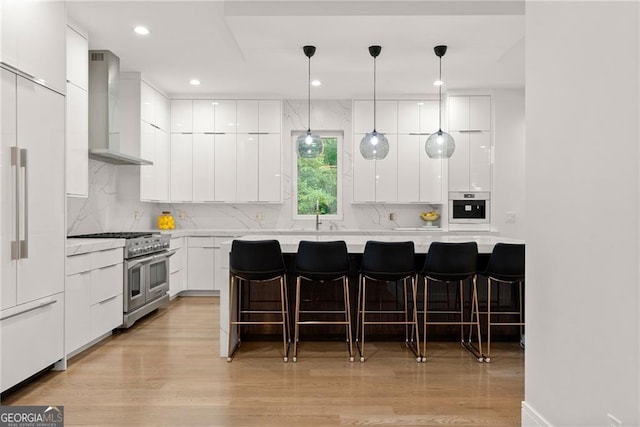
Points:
(94, 296)
(32, 338)
(200, 264)
(177, 266)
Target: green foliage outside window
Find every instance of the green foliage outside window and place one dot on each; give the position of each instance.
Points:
(318, 181)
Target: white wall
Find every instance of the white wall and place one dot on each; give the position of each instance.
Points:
(508, 192)
(583, 329)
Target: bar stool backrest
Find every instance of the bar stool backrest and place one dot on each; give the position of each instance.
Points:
(388, 261)
(320, 261)
(450, 262)
(256, 259)
(506, 263)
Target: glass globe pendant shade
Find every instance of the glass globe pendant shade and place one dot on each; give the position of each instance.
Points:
(374, 146)
(440, 145)
(309, 145)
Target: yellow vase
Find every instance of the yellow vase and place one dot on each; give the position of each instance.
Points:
(166, 221)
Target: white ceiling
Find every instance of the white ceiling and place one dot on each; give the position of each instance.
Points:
(254, 48)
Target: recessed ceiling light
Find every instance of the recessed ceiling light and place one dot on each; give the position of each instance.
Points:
(142, 30)
(194, 82)
(438, 83)
(316, 83)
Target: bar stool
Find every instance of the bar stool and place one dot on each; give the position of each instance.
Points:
(505, 267)
(451, 263)
(323, 262)
(261, 262)
(382, 263)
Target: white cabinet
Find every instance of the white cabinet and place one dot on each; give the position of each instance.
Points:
(225, 168)
(77, 115)
(201, 264)
(181, 167)
(177, 266)
(235, 151)
(203, 167)
(154, 107)
(77, 141)
(32, 119)
(182, 116)
(406, 175)
(386, 116)
(470, 124)
(34, 38)
(93, 294)
(144, 118)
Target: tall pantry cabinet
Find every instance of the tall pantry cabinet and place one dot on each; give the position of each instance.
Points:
(32, 187)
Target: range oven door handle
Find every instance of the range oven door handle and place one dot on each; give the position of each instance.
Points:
(146, 260)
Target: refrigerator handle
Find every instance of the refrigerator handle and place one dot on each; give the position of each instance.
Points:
(15, 244)
(24, 244)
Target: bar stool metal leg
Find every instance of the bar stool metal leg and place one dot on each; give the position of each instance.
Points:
(285, 322)
(297, 322)
(345, 285)
(231, 347)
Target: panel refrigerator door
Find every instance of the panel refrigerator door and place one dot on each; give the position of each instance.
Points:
(8, 227)
(40, 124)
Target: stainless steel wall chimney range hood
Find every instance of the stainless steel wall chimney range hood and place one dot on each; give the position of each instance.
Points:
(104, 110)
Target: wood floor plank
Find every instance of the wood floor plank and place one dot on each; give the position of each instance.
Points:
(166, 371)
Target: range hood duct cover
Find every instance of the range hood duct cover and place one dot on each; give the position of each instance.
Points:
(104, 110)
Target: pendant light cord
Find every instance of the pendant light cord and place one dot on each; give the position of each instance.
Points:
(440, 98)
(374, 94)
(309, 98)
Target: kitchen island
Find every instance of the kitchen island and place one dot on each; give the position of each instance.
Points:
(355, 245)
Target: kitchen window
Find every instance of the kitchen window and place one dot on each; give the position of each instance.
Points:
(317, 182)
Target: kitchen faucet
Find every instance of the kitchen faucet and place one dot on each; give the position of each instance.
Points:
(318, 222)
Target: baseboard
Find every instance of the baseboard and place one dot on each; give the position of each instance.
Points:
(532, 418)
(193, 293)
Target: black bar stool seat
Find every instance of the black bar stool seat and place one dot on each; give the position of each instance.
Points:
(322, 263)
(258, 261)
(382, 263)
(505, 267)
(453, 263)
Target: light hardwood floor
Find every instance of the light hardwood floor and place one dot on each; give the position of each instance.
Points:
(166, 371)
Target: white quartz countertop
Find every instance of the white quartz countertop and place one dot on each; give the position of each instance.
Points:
(405, 231)
(355, 244)
(82, 246)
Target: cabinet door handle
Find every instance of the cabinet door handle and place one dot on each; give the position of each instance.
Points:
(155, 126)
(419, 133)
(187, 133)
(15, 162)
(257, 133)
(470, 131)
(41, 305)
(19, 71)
(108, 299)
(24, 244)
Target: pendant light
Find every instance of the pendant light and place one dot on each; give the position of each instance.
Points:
(309, 145)
(374, 145)
(440, 145)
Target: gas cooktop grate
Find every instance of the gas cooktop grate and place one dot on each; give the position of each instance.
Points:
(111, 235)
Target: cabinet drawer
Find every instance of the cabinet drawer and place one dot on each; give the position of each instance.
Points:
(32, 338)
(106, 282)
(106, 315)
(176, 262)
(176, 243)
(79, 263)
(201, 242)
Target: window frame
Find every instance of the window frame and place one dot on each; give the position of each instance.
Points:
(339, 215)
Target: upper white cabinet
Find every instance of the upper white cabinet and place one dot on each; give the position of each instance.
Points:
(470, 124)
(77, 116)
(386, 116)
(154, 107)
(34, 40)
(233, 153)
(470, 113)
(406, 175)
(144, 124)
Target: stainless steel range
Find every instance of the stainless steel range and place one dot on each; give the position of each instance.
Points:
(146, 272)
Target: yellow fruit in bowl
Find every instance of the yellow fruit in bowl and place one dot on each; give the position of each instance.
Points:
(430, 216)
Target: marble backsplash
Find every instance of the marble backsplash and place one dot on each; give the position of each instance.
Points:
(114, 197)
